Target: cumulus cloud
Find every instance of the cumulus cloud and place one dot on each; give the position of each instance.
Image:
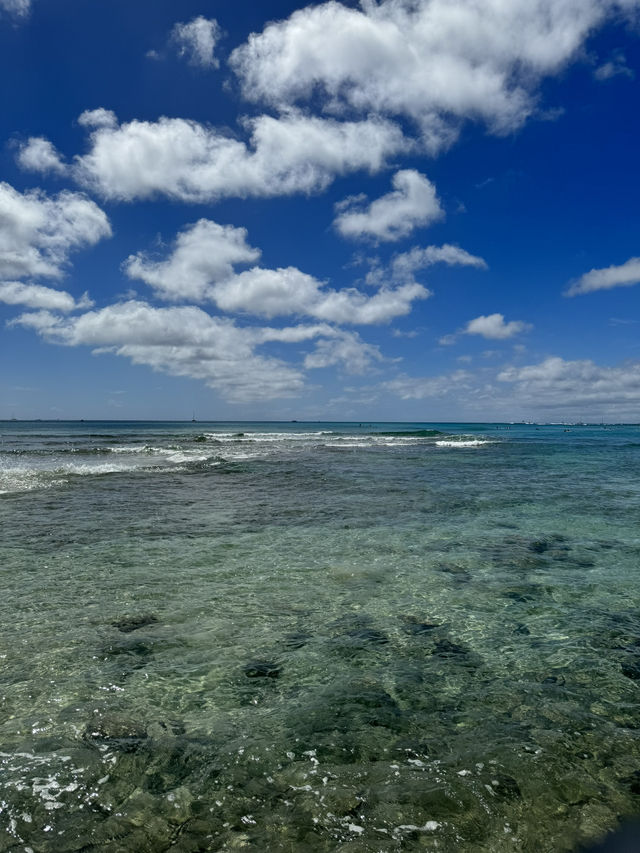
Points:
(202, 266)
(180, 341)
(38, 232)
(350, 306)
(434, 62)
(283, 291)
(346, 349)
(192, 162)
(557, 383)
(624, 275)
(186, 341)
(412, 204)
(197, 40)
(269, 293)
(493, 327)
(97, 118)
(404, 265)
(39, 155)
(37, 296)
(203, 254)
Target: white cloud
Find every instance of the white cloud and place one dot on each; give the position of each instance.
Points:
(419, 388)
(269, 293)
(191, 162)
(432, 61)
(615, 67)
(98, 118)
(180, 341)
(493, 327)
(16, 7)
(404, 265)
(346, 349)
(37, 296)
(350, 306)
(557, 383)
(624, 275)
(448, 340)
(39, 155)
(294, 334)
(413, 203)
(202, 265)
(203, 254)
(186, 341)
(197, 41)
(37, 233)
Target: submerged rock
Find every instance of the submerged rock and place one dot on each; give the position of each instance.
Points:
(457, 572)
(446, 648)
(414, 626)
(349, 709)
(631, 669)
(505, 787)
(554, 679)
(262, 669)
(136, 649)
(368, 636)
(296, 640)
(527, 592)
(116, 731)
(132, 623)
(632, 782)
(539, 546)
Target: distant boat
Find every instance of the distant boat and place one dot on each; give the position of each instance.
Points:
(193, 419)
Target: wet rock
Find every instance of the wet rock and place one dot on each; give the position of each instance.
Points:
(412, 625)
(262, 669)
(296, 640)
(116, 731)
(132, 623)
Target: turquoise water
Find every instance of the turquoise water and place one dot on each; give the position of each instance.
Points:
(317, 637)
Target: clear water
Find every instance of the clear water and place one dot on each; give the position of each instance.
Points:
(317, 637)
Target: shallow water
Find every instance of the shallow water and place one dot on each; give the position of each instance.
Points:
(317, 637)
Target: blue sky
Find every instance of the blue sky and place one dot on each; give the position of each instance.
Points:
(400, 210)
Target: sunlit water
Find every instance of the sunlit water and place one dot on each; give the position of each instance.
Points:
(317, 637)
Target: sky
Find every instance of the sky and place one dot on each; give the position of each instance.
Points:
(401, 210)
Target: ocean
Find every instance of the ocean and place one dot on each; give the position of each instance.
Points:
(317, 637)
